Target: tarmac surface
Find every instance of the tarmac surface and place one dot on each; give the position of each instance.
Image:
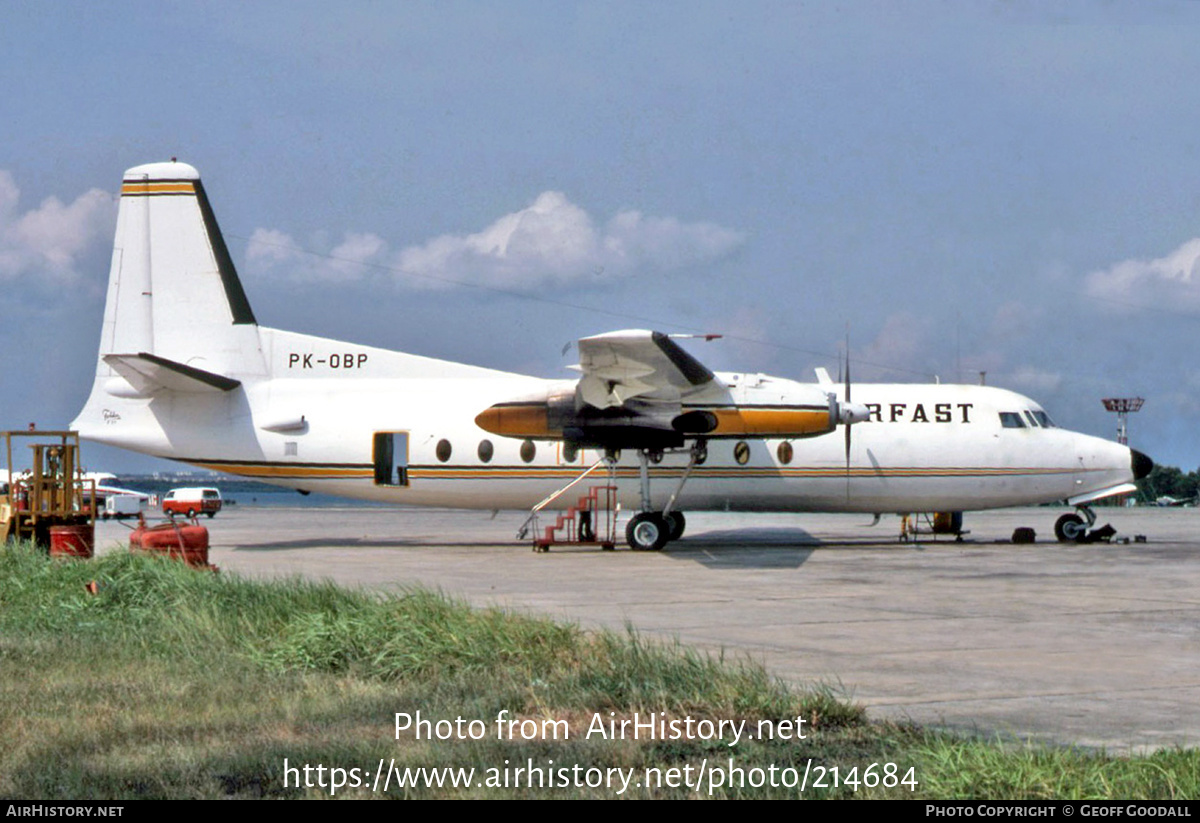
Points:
(1092, 645)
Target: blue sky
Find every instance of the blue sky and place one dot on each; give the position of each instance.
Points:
(1009, 187)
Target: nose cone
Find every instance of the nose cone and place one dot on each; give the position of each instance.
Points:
(1142, 465)
(853, 413)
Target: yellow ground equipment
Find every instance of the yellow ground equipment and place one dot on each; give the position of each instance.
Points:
(50, 503)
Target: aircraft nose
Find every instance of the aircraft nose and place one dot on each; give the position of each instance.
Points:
(1142, 465)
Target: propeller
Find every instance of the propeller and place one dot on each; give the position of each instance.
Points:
(847, 423)
(850, 413)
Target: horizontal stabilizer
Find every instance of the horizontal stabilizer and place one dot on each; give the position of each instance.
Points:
(149, 374)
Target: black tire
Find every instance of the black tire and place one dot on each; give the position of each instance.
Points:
(676, 524)
(1069, 528)
(647, 532)
(210, 515)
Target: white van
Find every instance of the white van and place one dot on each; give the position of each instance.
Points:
(192, 501)
(121, 506)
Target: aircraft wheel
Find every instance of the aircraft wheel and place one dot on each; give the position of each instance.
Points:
(647, 532)
(1069, 528)
(676, 523)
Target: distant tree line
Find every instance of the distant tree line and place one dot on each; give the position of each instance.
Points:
(1168, 481)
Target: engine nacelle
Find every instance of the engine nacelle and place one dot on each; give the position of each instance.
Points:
(561, 414)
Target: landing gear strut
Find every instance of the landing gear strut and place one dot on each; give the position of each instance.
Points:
(650, 530)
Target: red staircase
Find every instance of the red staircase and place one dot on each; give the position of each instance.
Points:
(600, 505)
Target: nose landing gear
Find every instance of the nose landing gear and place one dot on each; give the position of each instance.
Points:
(1073, 528)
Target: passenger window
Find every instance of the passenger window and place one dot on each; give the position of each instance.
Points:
(741, 452)
(785, 452)
(1011, 420)
(528, 451)
(443, 450)
(486, 451)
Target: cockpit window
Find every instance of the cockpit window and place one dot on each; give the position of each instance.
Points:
(1011, 420)
(1044, 419)
(1033, 424)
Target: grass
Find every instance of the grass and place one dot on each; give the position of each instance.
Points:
(169, 682)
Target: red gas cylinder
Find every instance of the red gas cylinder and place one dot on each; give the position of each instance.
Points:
(72, 541)
(184, 542)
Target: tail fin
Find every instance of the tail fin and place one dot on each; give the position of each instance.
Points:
(177, 324)
(173, 291)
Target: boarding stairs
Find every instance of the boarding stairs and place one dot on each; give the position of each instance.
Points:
(590, 522)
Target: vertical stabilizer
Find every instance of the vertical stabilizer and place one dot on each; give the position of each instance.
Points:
(179, 337)
(173, 290)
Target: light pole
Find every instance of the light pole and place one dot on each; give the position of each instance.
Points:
(1123, 406)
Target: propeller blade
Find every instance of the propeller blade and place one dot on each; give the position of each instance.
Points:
(847, 424)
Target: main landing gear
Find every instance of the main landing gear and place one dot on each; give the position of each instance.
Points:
(649, 530)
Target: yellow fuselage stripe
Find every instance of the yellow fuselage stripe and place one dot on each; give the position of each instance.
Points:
(151, 187)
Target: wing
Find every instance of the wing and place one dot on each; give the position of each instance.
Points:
(640, 389)
(623, 366)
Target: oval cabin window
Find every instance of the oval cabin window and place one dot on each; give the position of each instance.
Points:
(443, 450)
(528, 451)
(785, 452)
(486, 451)
(741, 452)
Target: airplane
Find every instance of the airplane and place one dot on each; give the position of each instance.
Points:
(186, 372)
(101, 479)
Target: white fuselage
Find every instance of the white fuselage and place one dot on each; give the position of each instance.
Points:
(309, 419)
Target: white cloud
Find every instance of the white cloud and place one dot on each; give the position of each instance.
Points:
(666, 242)
(1173, 280)
(49, 242)
(550, 243)
(273, 253)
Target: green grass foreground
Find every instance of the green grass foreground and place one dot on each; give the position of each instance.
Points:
(170, 682)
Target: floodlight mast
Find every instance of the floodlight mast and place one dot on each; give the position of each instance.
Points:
(1122, 406)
